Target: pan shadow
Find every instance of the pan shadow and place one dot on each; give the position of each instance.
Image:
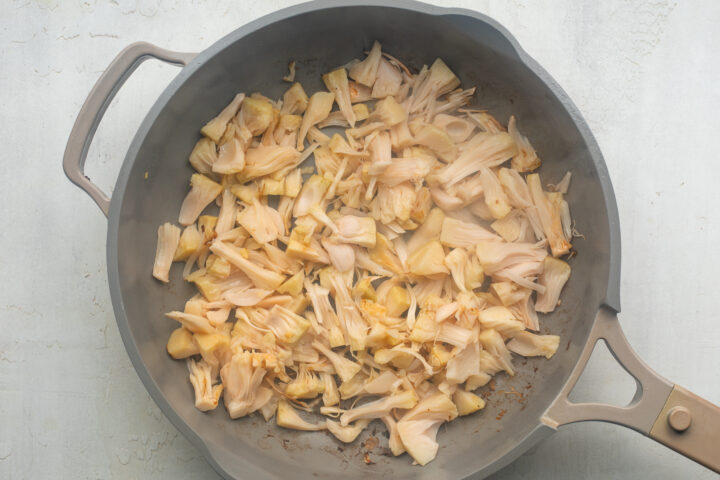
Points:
(601, 451)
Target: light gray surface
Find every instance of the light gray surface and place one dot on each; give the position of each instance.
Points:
(71, 405)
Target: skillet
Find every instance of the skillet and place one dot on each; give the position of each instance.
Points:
(319, 36)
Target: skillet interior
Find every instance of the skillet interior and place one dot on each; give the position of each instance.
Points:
(320, 40)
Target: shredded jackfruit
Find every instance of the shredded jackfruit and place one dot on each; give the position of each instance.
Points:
(168, 238)
(403, 266)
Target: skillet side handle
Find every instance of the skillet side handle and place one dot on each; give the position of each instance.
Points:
(665, 412)
(94, 108)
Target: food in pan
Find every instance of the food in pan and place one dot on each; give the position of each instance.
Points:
(382, 260)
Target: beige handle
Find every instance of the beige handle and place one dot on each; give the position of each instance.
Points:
(665, 412)
(690, 425)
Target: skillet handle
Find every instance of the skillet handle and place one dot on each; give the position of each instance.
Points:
(659, 409)
(94, 108)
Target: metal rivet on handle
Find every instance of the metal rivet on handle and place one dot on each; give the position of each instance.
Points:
(679, 419)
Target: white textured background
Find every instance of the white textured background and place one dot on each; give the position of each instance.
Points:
(645, 74)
